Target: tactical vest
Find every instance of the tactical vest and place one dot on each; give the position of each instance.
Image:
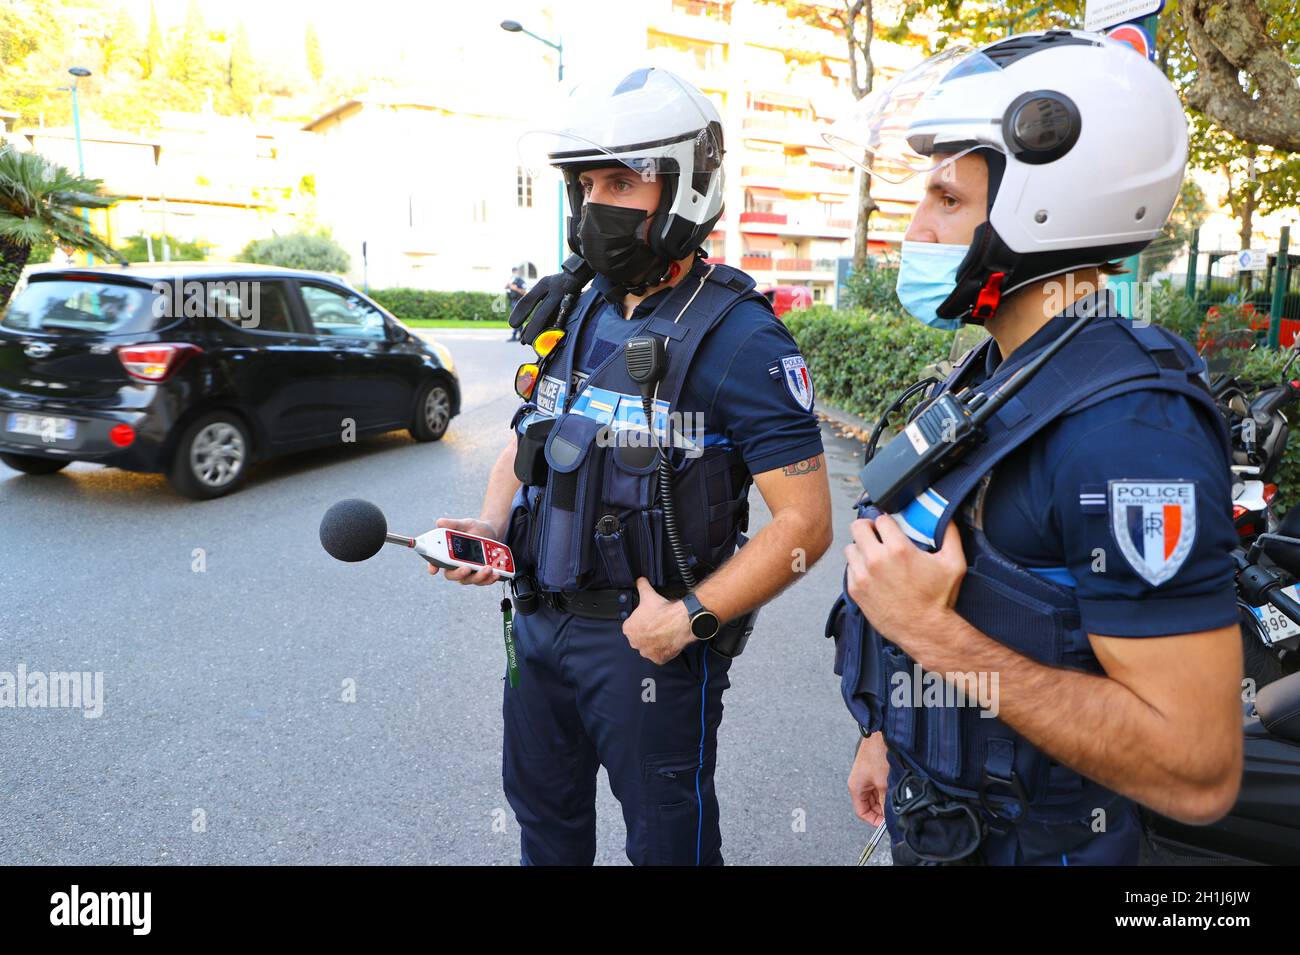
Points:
(589, 514)
(965, 754)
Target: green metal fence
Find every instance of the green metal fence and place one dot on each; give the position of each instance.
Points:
(1273, 293)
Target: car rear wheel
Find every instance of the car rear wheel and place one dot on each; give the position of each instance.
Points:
(212, 457)
(432, 412)
(31, 465)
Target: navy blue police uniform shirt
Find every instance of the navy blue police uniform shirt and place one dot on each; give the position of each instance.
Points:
(738, 380)
(1130, 503)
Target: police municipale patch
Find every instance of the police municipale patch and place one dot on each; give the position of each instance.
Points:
(1154, 524)
(798, 381)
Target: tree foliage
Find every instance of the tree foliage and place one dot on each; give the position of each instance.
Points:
(315, 61)
(136, 249)
(1247, 58)
(41, 202)
(298, 250)
(137, 71)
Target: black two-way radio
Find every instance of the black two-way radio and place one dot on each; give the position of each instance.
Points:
(938, 437)
(647, 363)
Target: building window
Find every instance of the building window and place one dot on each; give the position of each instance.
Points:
(699, 54)
(523, 188)
(714, 10)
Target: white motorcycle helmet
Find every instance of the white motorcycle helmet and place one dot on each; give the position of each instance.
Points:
(656, 124)
(1085, 140)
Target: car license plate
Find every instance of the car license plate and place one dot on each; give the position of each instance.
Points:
(45, 427)
(1273, 623)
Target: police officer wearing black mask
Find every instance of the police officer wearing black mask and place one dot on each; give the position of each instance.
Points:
(625, 636)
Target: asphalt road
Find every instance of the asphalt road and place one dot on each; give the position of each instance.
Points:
(229, 641)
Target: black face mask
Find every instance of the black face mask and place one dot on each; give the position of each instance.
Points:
(612, 243)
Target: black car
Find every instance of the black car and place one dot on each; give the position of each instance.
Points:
(197, 370)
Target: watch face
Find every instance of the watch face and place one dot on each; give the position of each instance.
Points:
(704, 625)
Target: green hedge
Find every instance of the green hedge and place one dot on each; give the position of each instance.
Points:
(861, 362)
(417, 304)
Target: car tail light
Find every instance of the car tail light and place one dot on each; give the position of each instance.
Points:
(1238, 512)
(157, 361)
(1270, 492)
(121, 435)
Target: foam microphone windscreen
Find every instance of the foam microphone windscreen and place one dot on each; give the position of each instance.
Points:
(353, 530)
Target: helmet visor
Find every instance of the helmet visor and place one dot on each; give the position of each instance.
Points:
(646, 121)
(922, 121)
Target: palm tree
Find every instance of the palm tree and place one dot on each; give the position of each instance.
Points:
(40, 200)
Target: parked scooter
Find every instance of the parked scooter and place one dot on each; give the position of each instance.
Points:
(1264, 825)
(1254, 415)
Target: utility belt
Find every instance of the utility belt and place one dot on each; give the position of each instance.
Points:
(619, 604)
(601, 604)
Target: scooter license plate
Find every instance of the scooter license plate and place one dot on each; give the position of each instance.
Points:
(1273, 623)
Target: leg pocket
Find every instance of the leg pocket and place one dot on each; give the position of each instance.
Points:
(672, 808)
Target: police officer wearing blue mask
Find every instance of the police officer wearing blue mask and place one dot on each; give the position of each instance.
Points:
(1041, 634)
(629, 605)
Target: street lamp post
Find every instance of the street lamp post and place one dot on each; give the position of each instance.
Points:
(78, 72)
(513, 26)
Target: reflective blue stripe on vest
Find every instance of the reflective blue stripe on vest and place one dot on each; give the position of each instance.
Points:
(598, 523)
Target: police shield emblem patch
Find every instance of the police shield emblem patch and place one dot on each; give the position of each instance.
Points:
(798, 380)
(1154, 524)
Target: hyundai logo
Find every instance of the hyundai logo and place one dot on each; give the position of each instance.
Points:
(38, 350)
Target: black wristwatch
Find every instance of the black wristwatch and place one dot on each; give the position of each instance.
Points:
(704, 623)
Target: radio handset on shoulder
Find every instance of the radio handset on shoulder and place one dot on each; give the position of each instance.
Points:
(938, 437)
(647, 362)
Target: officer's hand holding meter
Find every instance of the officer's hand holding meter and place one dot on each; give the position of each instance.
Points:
(464, 575)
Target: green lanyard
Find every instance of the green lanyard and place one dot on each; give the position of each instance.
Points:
(508, 626)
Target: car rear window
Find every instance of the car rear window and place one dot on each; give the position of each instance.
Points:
(68, 307)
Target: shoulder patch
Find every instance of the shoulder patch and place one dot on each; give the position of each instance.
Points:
(798, 381)
(1154, 524)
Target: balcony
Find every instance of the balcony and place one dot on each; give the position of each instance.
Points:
(771, 218)
(798, 177)
(701, 21)
(756, 263)
(794, 265)
(770, 127)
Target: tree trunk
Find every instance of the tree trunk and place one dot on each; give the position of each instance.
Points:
(866, 206)
(861, 85)
(1245, 278)
(13, 259)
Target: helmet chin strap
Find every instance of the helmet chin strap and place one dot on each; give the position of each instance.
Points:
(980, 279)
(986, 303)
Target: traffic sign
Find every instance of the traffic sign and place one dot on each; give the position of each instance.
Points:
(1100, 14)
(1135, 36)
(1252, 260)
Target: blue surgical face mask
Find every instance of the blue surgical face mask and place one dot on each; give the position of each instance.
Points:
(927, 276)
